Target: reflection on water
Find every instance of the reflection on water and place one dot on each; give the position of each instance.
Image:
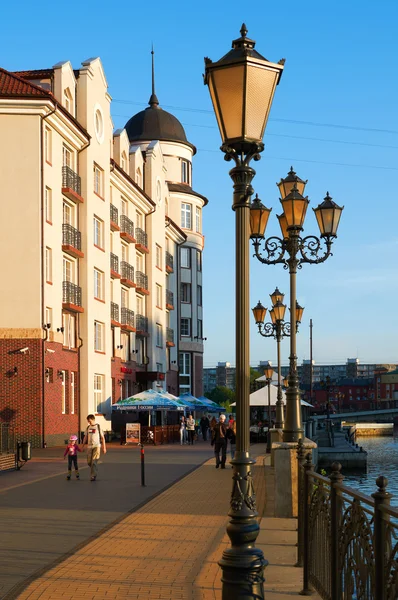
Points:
(382, 460)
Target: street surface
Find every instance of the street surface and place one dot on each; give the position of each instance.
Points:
(44, 516)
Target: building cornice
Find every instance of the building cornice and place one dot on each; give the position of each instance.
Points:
(128, 187)
(174, 232)
(184, 188)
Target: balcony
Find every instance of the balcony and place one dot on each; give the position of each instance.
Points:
(72, 297)
(114, 218)
(127, 229)
(71, 185)
(141, 324)
(127, 320)
(169, 262)
(142, 240)
(72, 241)
(141, 281)
(127, 272)
(170, 337)
(169, 300)
(114, 266)
(115, 314)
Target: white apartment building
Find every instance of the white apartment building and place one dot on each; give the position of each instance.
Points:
(101, 235)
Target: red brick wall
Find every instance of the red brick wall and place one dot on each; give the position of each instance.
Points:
(198, 376)
(172, 382)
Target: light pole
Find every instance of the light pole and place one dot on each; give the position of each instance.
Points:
(242, 86)
(292, 250)
(268, 372)
(278, 329)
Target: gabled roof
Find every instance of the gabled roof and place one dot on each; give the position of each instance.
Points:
(35, 74)
(12, 85)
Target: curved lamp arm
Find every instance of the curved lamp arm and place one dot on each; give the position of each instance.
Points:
(274, 248)
(311, 246)
(266, 329)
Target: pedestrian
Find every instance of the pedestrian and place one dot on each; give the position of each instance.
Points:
(231, 420)
(94, 438)
(231, 436)
(213, 423)
(71, 450)
(190, 429)
(219, 441)
(204, 425)
(183, 431)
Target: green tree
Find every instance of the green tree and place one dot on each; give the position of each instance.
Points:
(222, 396)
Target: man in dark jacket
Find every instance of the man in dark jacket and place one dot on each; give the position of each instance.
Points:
(219, 440)
(204, 425)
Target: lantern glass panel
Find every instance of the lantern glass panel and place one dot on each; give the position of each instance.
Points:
(259, 313)
(283, 225)
(227, 89)
(260, 89)
(280, 310)
(259, 215)
(277, 296)
(272, 315)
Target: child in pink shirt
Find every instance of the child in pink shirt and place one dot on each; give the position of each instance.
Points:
(71, 450)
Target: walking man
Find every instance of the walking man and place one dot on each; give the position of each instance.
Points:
(219, 440)
(204, 425)
(94, 438)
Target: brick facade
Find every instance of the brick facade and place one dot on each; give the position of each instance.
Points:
(198, 376)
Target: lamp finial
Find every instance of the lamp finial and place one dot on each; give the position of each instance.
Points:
(153, 100)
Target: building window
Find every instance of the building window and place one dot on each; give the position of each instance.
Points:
(197, 212)
(98, 233)
(125, 346)
(200, 329)
(158, 257)
(68, 213)
(49, 317)
(199, 295)
(159, 367)
(99, 341)
(185, 171)
(49, 265)
(186, 258)
(123, 162)
(198, 260)
(139, 305)
(159, 296)
(186, 215)
(139, 263)
(49, 205)
(158, 192)
(98, 284)
(99, 385)
(124, 207)
(99, 125)
(68, 101)
(69, 327)
(68, 270)
(186, 327)
(67, 157)
(185, 372)
(125, 252)
(185, 292)
(138, 178)
(124, 298)
(72, 393)
(98, 181)
(139, 221)
(63, 392)
(159, 335)
(48, 145)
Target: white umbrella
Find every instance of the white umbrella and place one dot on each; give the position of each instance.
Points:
(260, 397)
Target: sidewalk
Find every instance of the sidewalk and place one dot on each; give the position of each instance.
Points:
(168, 549)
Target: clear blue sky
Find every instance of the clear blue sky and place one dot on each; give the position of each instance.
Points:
(334, 118)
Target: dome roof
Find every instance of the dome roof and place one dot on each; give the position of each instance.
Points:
(154, 123)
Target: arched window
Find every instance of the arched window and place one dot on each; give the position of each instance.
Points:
(68, 101)
(138, 177)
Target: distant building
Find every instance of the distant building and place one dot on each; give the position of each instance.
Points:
(209, 379)
(225, 375)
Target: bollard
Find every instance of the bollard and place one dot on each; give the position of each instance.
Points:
(142, 453)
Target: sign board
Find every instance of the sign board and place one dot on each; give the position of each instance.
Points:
(133, 433)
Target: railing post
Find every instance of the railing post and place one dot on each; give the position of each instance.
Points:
(335, 519)
(300, 501)
(307, 469)
(380, 538)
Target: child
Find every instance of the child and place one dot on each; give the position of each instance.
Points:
(94, 438)
(71, 450)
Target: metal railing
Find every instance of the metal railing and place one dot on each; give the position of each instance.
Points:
(169, 260)
(142, 280)
(127, 271)
(71, 293)
(348, 542)
(126, 225)
(142, 323)
(71, 236)
(7, 438)
(114, 312)
(71, 180)
(141, 237)
(169, 297)
(114, 263)
(114, 214)
(169, 335)
(127, 316)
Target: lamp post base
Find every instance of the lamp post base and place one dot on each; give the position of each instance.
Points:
(293, 435)
(243, 564)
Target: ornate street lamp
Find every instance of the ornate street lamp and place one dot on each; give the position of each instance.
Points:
(242, 86)
(268, 373)
(293, 251)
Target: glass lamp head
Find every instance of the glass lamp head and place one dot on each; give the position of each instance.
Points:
(259, 215)
(259, 312)
(276, 295)
(294, 208)
(286, 185)
(328, 215)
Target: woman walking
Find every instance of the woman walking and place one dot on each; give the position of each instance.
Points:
(183, 431)
(190, 429)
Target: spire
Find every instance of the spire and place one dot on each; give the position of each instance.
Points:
(153, 100)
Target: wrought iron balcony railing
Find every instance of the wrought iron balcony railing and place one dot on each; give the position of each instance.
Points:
(142, 280)
(169, 335)
(126, 226)
(114, 263)
(127, 317)
(127, 271)
(169, 298)
(71, 180)
(142, 323)
(169, 261)
(141, 237)
(114, 214)
(114, 312)
(71, 293)
(71, 236)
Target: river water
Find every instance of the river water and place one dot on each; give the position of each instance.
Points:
(382, 460)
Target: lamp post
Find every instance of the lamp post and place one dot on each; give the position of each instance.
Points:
(242, 86)
(268, 372)
(292, 250)
(278, 329)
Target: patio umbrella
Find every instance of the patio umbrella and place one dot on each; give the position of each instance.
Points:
(192, 401)
(213, 406)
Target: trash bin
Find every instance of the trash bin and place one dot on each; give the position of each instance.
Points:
(24, 451)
